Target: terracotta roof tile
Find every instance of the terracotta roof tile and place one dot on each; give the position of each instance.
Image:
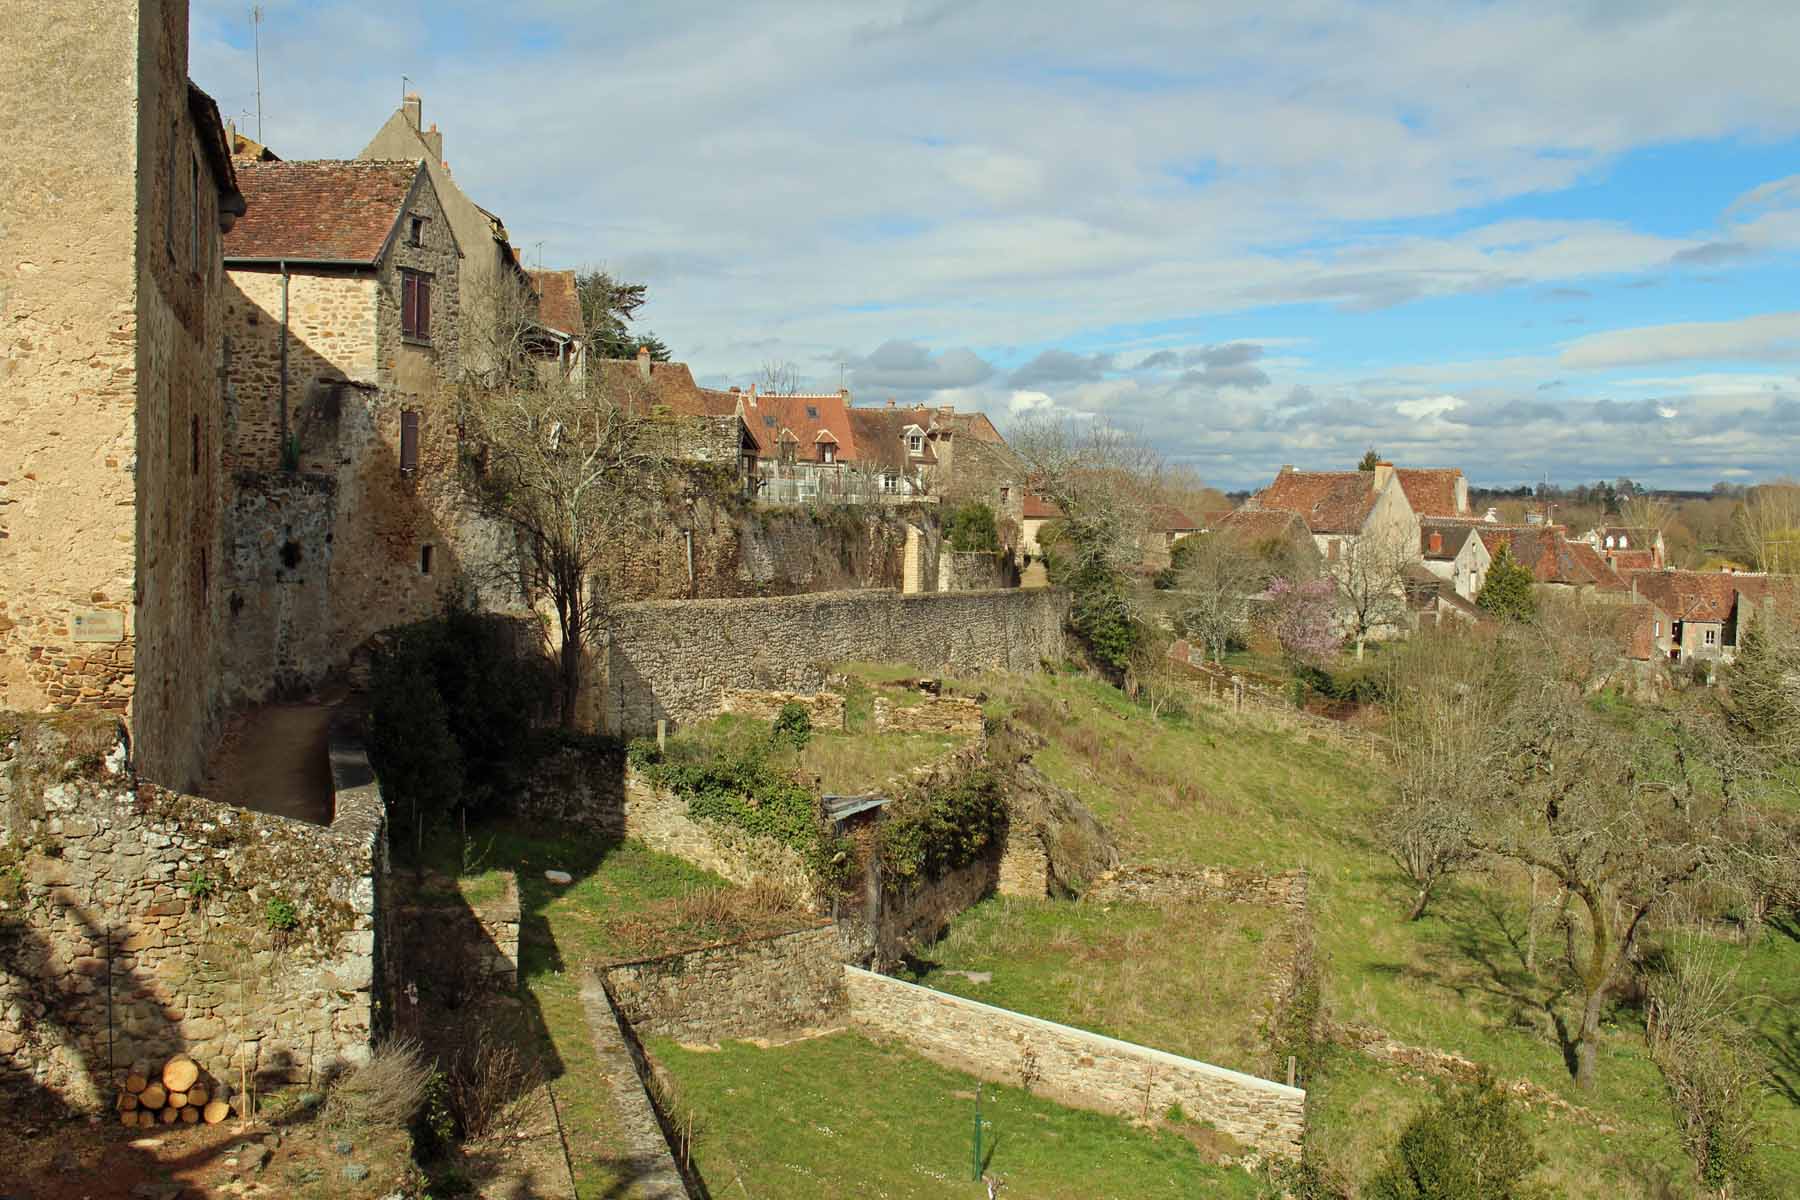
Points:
(1707, 595)
(1170, 519)
(1451, 536)
(671, 387)
(1432, 491)
(335, 210)
(559, 305)
(1261, 525)
(1037, 508)
(1328, 501)
(880, 439)
(805, 416)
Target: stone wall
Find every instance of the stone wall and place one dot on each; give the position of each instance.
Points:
(935, 714)
(674, 661)
(973, 571)
(1074, 1066)
(825, 709)
(742, 989)
(1285, 890)
(459, 948)
(140, 922)
(659, 818)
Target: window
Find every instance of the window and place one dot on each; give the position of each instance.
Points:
(1712, 637)
(768, 421)
(415, 235)
(409, 442)
(915, 443)
(425, 559)
(812, 411)
(1004, 493)
(787, 452)
(415, 306)
(194, 215)
(827, 452)
(890, 483)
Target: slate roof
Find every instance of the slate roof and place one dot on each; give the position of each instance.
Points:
(1328, 501)
(559, 305)
(330, 210)
(1431, 490)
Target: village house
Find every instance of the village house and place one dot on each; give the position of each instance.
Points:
(1557, 565)
(1455, 553)
(695, 424)
(110, 441)
(342, 309)
(1702, 614)
(1628, 549)
(1435, 492)
(1348, 513)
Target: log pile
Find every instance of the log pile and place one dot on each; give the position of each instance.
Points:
(178, 1094)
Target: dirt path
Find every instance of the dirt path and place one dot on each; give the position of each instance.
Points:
(275, 759)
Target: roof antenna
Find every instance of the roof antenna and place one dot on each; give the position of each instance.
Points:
(256, 38)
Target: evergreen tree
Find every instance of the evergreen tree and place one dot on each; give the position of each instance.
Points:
(1369, 459)
(1508, 593)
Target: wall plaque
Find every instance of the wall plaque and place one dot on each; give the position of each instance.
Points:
(98, 625)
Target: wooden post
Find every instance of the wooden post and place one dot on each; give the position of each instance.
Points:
(662, 734)
(1290, 1070)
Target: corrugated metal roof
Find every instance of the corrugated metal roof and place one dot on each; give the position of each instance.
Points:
(840, 807)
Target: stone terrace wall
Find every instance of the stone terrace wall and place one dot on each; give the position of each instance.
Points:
(659, 818)
(1075, 1066)
(742, 989)
(825, 709)
(675, 660)
(973, 571)
(162, 900)
(1286, 890)
(939, 714)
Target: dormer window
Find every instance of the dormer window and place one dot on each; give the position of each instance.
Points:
(812, 412)
(1624, 542)
(828, 453)
(915, 443)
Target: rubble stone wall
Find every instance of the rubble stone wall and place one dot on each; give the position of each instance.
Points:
(246, 940)
(743, 989)
(675, 660)
(1074, 1066)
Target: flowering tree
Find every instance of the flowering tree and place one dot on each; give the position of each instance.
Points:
(1303, 617)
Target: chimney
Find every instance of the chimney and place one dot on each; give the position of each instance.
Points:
(736, 390)
(414, 108)
(890, 402)
(1286, 469)
(434, 142)
(1384, 471)
(1462, 493)
(752, 395)
(643, 362)
(1437, 542)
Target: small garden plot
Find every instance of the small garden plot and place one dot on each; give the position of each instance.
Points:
(844, 1116)
(1193, 978)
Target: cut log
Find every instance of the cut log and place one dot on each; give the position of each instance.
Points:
(179, 1074)
(216, 1111)
(198, 1095)
(153, 1096)
(127, 1101)
(168, 1115)
(128, 1120)
(136, 1083)
(190, 1116)
(178, 1099)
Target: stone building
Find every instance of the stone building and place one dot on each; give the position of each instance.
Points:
(342, 306)
(113, 193)
(1347, 512)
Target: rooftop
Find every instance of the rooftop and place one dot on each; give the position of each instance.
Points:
(319, 211)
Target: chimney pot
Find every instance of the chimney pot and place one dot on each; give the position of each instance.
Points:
(643, 362)
(1286, 469)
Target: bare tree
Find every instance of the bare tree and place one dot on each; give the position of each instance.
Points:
(1371, 575)
(1218, 577)
(564, 463)
(1647, 511)
(1768, 526)
(779, 378)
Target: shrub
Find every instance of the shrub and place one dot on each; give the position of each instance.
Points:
(971, 527)
(280, 914)
(927, 834)
(1468, 1144)
(793, 725)
(488, 1074)
(387, 1092)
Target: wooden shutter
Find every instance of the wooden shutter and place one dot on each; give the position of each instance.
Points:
(409, 441)
(409, 304)
(423, 283)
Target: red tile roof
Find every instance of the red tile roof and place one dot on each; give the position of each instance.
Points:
(1632, 560)
(1170, 519)
(1452, 537)
(1707, 595)
(879, 436)
(671, 387)
(1432, 491)
(559, 305)
(1037, 508)
(805, 416)
(1328, 501)
(1551, 557)
(1636, 626)
(335, 210)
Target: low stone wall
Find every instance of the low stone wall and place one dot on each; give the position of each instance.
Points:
(1024, 864)
(742, 989)
(659, 818)
(461, 948)
(1285, 890)
(1074, 1066)
(139, 922)
(674, 660)
(824, 709)
(974, 571)
(936, 714)
(573, 786)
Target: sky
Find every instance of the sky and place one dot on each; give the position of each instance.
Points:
(1531, 240)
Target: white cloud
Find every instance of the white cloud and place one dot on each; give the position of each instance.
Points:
(1428, 407)
(1765, 338)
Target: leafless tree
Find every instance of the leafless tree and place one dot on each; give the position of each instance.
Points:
(779, 378)
(564, 463)
(1371, 575)
(1647, 511)
(1219, 576)
(1768, 526)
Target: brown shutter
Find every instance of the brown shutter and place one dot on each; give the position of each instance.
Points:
(424, 304)
(409, 304)
(409, 441)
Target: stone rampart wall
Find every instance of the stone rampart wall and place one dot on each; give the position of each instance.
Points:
(1074, 1066)
(246, 940)
(675, 660)
(743, 989)
(973, 571)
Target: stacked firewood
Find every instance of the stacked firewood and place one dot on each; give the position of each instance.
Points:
(180, 1094)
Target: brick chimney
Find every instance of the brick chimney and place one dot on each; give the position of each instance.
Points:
(644, 363)
(1286, 469)
(434, 142)
(1384, 471)
(1437, 542)
(414, 108)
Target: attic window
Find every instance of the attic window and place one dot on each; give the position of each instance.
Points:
(768, 421)
(812, 410)
(915, 443)
(415, 235)
(827, 452)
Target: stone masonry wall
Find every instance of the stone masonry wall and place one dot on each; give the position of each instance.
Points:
(973, 571)
(659, 818)
(170, 904)
(675, 660)
(1074, 1066)
(743, 989)
(824, 709)
(938, 714)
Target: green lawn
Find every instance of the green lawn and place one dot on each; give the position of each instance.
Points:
(1215, 788)
(841, 1116)
(1189, 978)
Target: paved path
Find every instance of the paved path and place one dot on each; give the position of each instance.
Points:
(275, 759)
(645, 1158)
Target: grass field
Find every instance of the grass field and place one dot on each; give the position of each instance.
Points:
(1189, 978)
(1214, 788)
(841, 1116)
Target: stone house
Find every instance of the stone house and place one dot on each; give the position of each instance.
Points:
(1439, 492)
(342, 310)
(1558, 565)
(1706, 611)
(1035, 513)
(1628, 549)
(115, 185)
(695, 425)
(1346, 512)
(1455, 553)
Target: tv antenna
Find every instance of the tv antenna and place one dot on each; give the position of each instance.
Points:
(256, 41)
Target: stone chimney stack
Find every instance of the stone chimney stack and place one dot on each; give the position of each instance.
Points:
(434, 142)
(644, 363)
(1286, 469)
(414, 108)
(1384, 471)
(1462, 493)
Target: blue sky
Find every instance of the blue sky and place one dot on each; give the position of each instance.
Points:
(1523, 239)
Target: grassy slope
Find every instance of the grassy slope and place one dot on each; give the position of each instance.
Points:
(1190, 979)
(1213, 789)
(843, 1116)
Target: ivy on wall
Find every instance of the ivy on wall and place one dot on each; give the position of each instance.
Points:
(929, 833)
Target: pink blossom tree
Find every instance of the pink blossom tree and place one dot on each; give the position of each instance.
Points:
(1303, 617)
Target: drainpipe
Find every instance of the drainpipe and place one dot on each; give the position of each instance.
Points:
(690, 559)
(284, 356)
